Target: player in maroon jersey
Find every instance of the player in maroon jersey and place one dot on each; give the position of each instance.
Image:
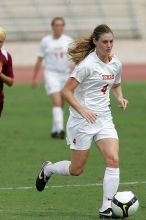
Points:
(6, 69)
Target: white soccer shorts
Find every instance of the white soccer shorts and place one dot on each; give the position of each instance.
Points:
(80, 133)
(54, 82)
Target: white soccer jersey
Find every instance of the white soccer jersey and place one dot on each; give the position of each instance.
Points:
(96, 79)
(54, 52)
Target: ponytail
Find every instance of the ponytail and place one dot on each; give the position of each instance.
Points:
(83, 47)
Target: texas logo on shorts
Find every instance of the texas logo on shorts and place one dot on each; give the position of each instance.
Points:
(74, 141)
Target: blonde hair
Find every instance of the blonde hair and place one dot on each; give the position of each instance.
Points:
(83, 47)
(3, 32)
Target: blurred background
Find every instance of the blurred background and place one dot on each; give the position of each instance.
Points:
(26, 22)
(26, 122)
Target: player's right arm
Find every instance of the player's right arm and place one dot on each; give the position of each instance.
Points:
(41, 54)
(67, 93)
(36, 71)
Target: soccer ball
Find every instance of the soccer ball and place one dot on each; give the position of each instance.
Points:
(124, 204)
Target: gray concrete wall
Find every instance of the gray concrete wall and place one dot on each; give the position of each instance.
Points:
(129, 51)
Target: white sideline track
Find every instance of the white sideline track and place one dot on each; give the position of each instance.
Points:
(69, 186)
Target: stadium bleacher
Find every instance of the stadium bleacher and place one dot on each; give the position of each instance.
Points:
(29, 20)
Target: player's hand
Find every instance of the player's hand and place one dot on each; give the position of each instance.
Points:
(34, 84)
(89, 116)
(123, 103)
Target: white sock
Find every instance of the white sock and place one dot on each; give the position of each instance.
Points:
(110, 186)
(61, 168)
(57, 119)
(54, 129)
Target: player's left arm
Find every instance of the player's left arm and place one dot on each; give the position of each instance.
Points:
(117, 91)
(7, 79)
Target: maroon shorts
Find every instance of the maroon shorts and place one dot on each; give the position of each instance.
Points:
(1, 107)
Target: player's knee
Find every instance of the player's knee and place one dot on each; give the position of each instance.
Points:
(76, 171)
(113, 161)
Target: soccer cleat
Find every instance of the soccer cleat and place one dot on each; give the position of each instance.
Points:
(54, 135)
(42, 179)
(108, 214)
(61, 134)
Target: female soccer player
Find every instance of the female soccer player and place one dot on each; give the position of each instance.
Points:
(6, 69)
(96, 73)
(53, 50)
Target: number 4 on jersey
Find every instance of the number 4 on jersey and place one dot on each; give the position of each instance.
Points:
(104, 89)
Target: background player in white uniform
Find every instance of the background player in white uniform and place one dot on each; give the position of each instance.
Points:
(96, 73)
(53, 50)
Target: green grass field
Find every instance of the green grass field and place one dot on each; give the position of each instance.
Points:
(25, 143)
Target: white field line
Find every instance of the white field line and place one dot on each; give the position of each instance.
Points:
(69, 186)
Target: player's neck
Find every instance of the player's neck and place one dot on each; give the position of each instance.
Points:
(55, 36)
(104, 59)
